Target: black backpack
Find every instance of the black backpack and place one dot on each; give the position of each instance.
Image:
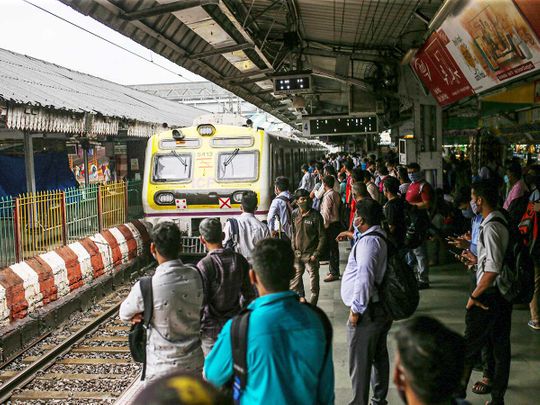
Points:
(417, 226)
(232, 243)
(516, 279)
(137, 334)
(239, 339)
(398, 291)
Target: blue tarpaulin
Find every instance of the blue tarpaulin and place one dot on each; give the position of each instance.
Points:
(52, 173)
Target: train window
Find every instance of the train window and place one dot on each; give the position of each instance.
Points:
(234, 166)
(184, 143)
(175, 167)
(239, 142)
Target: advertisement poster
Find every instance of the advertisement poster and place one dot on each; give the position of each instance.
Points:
(491, 42)
(434, 65)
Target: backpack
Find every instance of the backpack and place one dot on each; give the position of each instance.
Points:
(516, 279)
(232, 243)
(398, 291)
(282, 234)
(137, 334)
(528, 227)
(239, 339)
(417, 226)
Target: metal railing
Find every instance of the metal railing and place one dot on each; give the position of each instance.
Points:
(35, 223)
(7, 231)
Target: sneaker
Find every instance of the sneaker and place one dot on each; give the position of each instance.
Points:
(330, 278)
(534, 325)
(422, 285)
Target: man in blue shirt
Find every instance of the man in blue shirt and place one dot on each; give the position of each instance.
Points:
(280, 211)
(368, 324)
(286, 358)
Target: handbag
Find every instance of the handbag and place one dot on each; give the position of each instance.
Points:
(138, 332)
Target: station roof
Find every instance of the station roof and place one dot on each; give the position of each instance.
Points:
(241, 44)
(26, 81)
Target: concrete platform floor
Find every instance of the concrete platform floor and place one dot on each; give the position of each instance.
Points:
(445, 300)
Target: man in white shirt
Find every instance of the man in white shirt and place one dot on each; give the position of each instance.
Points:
(250, 229)
(280, 213)
(368, 324)
(307, 181)
(489, 315)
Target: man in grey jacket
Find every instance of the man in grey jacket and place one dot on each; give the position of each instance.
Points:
(173, 335)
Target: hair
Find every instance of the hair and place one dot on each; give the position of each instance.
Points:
(391, 185)
(414, 166)
(211, 230)
(249, 201)
(370, 210)
(319, 167)
(382, 169)
(301, 192)
(402, 173)
(282, 183)
(342, 176)
(433, 358)
(181, 389)
(329, 180)
(487, 190)
(304, 167)
(367, 175)
(463, 196)
(273, 262)
(360, 189)
(167, 239)
(330, 170)
(357, 175)
(514, 168)
(349, 165)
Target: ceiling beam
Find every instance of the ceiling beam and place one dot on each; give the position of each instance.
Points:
(166, 8)
(248, 74)
(245, 35)
(221, 51)
(343, 79)
(353, 55)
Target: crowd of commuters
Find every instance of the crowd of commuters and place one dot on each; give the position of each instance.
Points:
(256, 268)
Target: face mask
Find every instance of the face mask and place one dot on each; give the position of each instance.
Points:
(506, 179)
(474, 207)
(467, 213)
(417, 176)
(304, 206)
(357, 223)
(363, 166)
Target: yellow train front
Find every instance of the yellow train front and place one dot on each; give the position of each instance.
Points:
(201, 171)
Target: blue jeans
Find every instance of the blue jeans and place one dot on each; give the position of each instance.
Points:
(419, 257)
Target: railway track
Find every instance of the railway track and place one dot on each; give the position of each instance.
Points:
(87, 362)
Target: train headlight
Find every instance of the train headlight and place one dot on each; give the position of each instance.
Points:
(206, 130)
(237, 197)
(165, 199)
(177, 135)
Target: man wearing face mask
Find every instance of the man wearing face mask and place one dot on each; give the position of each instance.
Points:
(419, 193)
(368, 323)
(489, 315)
(174, 285)
(518, 194)
(308, 242)
(429, 362)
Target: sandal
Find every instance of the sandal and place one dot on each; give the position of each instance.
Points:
(482, 387)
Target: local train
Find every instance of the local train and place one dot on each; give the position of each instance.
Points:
(201, 171)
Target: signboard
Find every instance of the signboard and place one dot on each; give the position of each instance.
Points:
(340, 126)
(481, 45)
(491, 42)
(434, 65)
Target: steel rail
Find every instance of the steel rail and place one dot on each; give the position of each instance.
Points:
(48, 359)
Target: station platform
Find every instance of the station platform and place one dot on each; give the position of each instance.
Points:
(445, 300)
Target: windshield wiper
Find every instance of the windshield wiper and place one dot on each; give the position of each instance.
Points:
(230, 159)
(180, 159)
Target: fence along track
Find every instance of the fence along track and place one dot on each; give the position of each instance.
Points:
(17, 388)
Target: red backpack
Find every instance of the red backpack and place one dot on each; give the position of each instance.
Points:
(528, 226)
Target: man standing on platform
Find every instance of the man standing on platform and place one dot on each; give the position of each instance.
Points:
(419, 194)
(173, 340)
(368, 323)
(330, 213)
(308, 243)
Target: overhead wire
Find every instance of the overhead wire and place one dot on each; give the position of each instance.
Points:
(106, 40)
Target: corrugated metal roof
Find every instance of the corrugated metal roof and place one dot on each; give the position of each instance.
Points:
(31, 81)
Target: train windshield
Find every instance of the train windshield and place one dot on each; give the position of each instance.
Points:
(173, 167)
(238, 165)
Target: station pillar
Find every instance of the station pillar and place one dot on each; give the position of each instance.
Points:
(29, 163)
